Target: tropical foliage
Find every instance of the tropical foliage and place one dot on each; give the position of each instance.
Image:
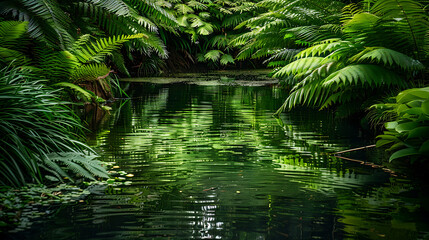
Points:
(82, 61)
(41, 137)
(347, 62)
(205, 30)
(408, 134)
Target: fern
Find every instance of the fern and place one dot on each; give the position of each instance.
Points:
(89, 72)
(47, 21)
(213, 55)
(76, 163)
(413, 16)
(57, 65)
(371, 75)
(150, 8)
(300, 66)
(96, 52)
(390, 57)
(226, 58)
(120, 8)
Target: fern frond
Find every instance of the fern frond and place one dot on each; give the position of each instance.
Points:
(183, 9)
(390, 57)
(8, 56)
(322, 48)
(119, 8)
(226, 58)
(96, 52)
(196, 5)
(57, 65)
(213, 55)
(79, 164)
(89, 72)
(47, 21)
(364, 74)
(11, 34)
(300, 66)
(150, 8)
(409, 12)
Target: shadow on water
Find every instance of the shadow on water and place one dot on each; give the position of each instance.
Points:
(210, 162)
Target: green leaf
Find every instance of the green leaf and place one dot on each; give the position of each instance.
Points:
(403, 153)
(383, 142)
(86, 96)
(391, 125)
(419, 132)
(405, 127)
(412, 94)
(425, 107)
(424, 149)
(396, 146)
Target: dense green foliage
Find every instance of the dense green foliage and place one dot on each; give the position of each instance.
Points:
(330, 54)
(408, 135)
(40, 136)
(347, 61)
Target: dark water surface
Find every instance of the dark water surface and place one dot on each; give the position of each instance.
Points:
(210, 162)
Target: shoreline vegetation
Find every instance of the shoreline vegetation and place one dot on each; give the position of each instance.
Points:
(59, 59)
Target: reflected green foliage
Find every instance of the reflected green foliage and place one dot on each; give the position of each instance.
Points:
(408, 135)
(211, 162)
(35, 123)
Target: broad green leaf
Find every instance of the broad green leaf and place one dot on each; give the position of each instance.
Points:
(419, 132)
(391, 125)
(387, 137)
(412, 94)
(424, 149)
(396, 146)
(403, 153)
(407, 126)
(383, 142)
(425, 106)
(413, 111)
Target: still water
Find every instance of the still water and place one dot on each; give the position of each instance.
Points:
(210, 162)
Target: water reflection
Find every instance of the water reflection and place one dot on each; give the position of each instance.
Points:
(210, 162)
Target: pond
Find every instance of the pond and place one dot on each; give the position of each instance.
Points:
(211, 162)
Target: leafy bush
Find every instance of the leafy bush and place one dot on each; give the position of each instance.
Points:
(408, 135)
(34, 124)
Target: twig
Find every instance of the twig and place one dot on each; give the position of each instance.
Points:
(355, 149)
